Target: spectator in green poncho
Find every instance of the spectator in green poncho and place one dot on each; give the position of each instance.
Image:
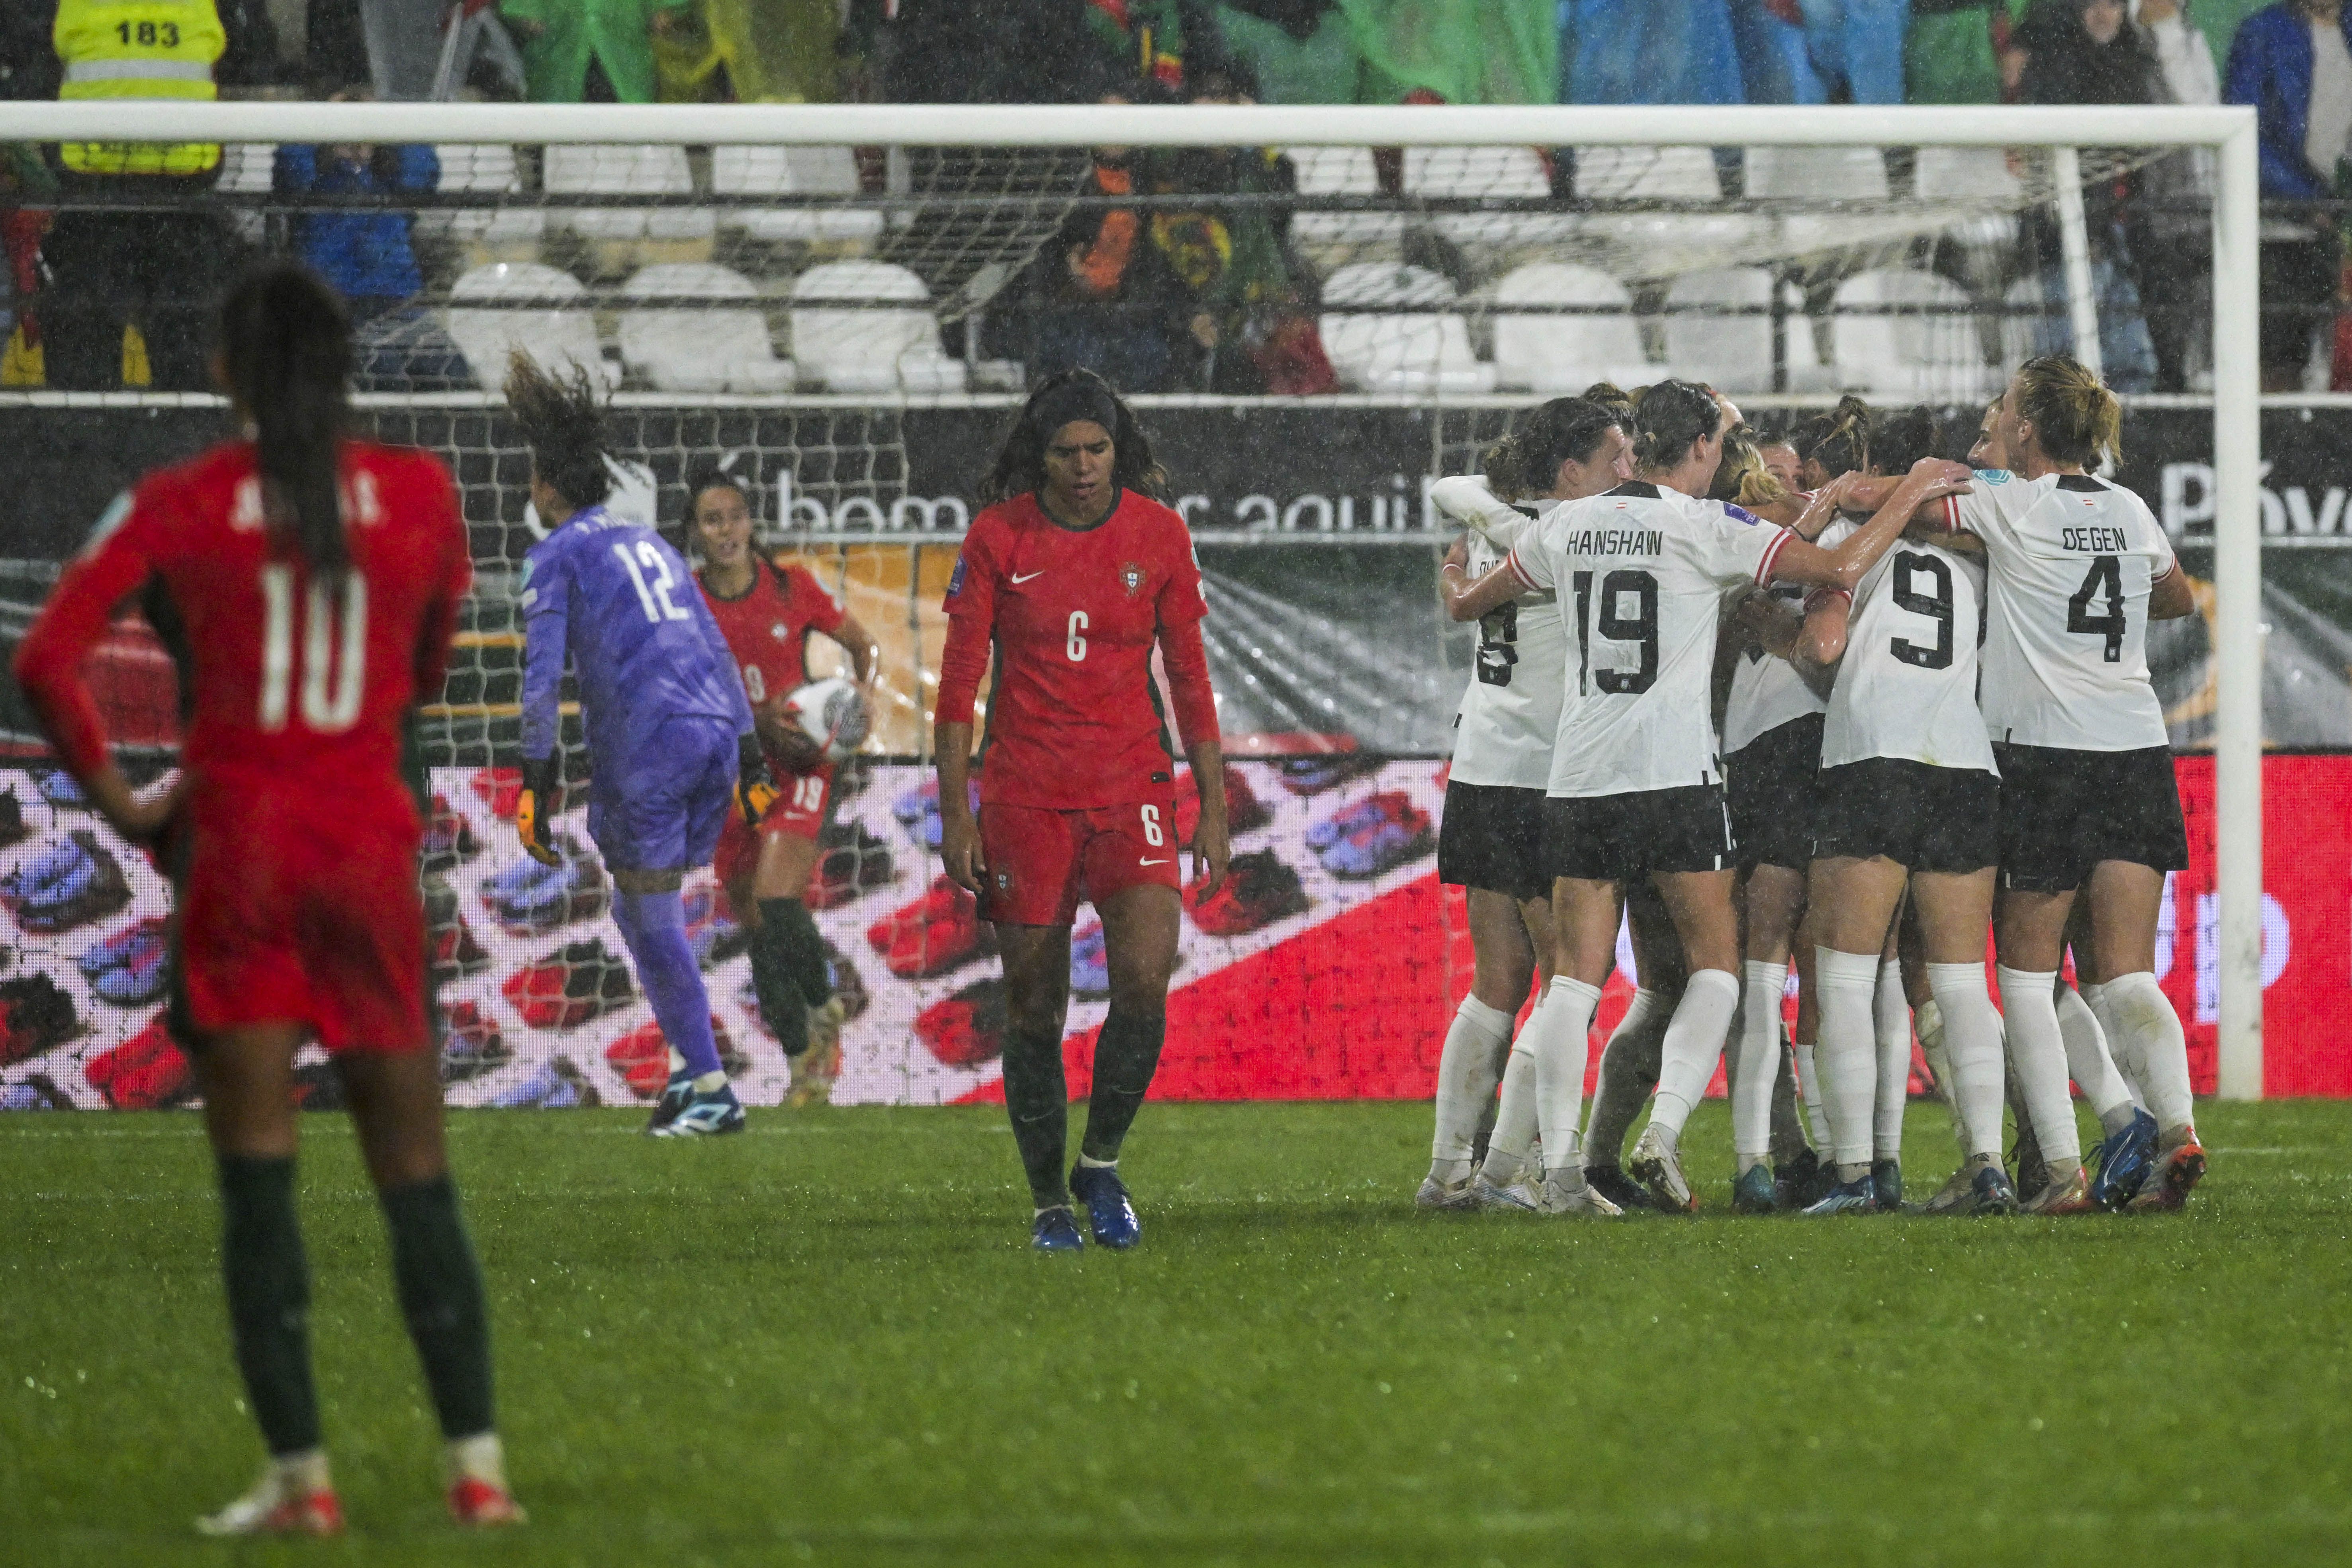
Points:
(752, 51)
(591, 51)
(1955, 52)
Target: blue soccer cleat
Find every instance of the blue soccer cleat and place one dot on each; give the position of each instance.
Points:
(1108, 1214)
(1755, 1192)
(1056, 1230)
(1991, 1191)
(1348, 819)
(2125, 1158)
(1857, 1196)
(1886, 1178)
(710, 1115)
(674, 1096)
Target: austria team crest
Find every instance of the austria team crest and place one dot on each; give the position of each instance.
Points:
(1131, 574)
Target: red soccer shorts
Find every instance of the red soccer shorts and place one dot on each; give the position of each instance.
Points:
(1043, 863)
(288, 919)
(799, 810)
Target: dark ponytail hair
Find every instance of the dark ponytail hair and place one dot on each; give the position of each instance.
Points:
(1669, 417)
(1567, 429)
(1838, 440)
(561, 419)
(1899, 440)
(286, 353)
(1080, 393)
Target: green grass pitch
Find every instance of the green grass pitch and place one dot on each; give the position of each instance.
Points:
(827, 1341)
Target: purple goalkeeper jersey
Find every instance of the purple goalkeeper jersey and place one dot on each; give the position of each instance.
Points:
(623, 603)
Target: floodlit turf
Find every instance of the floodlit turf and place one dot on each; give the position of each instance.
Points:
(826, 1341)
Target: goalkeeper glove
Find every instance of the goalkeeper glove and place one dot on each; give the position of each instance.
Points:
(541, 798)
(755, 787)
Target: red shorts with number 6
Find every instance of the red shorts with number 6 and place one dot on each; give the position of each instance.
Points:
(1043, 863)
(799, 810)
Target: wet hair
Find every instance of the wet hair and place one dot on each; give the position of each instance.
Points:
(2074, 416)
(1742, 477)
(1066, 397)
(1613, 397)
(711, 476)
(286, 351)
(1899, 440)
(1671, 415)
(561, 420)
(1526, 462)
(1838, 440)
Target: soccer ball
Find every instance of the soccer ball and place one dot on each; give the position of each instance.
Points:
(832, 713)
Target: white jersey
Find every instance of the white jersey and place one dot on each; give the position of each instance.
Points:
(1639, 573)
(1510, 710)
(1766, 690)
(2071, 560)
(1907, 685)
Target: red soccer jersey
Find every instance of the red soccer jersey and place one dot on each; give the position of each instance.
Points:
(767, 628)
(292, 691)
(1075, 720)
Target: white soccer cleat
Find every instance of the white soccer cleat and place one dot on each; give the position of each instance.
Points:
(1561, 1199)
(1659, 1167)
(1516, 1196)
(282, 1503)
(1435, 1195)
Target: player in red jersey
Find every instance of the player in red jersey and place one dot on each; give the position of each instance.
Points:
(1074, 575)
(308, 585)
(766, 612)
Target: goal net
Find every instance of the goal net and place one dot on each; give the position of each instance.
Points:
(1319, 310)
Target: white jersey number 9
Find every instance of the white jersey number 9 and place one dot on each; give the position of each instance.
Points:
(1077, 646)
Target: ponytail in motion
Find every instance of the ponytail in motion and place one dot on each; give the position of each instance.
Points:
(1567, 429)
(1838, 440)
(2074, 416)
(561, 420)
(286, 353)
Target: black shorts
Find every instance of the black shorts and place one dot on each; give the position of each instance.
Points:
(2062, 813)
(1771, 783)
(1926, 818)
(1492, 837)
(1625, 837)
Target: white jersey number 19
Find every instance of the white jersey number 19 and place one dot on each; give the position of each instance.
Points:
(1640, 627)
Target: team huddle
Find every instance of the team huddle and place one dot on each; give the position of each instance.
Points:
(1832, 702)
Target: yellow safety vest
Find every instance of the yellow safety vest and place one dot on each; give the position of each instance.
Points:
(139, 49)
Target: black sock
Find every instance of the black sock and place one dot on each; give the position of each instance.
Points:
(1127, 1053)
(441, 1296)
(801, 948)
(783, 1006)
(268, 1284)
(1037, 1098)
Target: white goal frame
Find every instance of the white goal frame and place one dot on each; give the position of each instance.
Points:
(2237, 390)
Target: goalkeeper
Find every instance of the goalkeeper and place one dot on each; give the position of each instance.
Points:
(668, 729)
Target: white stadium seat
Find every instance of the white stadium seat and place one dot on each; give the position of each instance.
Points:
(486, 169)
(1513, 173)
(1667, 242)
(1827, 177)
(1566, 353)
(700, 347)
(1341, 172)
(485, 331)
(865, 347)
(792, 171)
(1421, 352)
(1734, 353)
(1926, 357)
(627, 170)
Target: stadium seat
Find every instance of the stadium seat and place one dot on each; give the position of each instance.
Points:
(1336, 238)
(1422, 353)
(486, 331)
(1828, 177)
(868, 347)
(1984, 197)
(488, 170)
(1932, 355)
(700, 347)
(1567, 353)
(1735, 351)
(1501, 174)
(647, 170)
(1680, 235)
(792, 171)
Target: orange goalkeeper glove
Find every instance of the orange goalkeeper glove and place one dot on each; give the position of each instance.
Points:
(541, 798)
(755, 786)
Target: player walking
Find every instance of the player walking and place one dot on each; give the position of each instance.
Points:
(1491, 841)
(766, 613)
(670, 743)
(2089, 802)
(1073, 575)
(1635, 791)
(307, 585)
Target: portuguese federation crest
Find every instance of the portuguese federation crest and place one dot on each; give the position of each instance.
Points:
(1130, 576)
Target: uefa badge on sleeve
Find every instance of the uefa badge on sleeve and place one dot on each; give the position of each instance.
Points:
(1130, 576)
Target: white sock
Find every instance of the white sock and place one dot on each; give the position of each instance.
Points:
(1847, 1052)
(1088, 1162)
(1971, 1044)
(2120, 1049)
(1929, 1019)
(1694, 1044)
(1515, 1118)
(676, 1062)
(482, 1456)
(2088, 1063)
(1756, 1059)
(711, 1082)
(1560, 1047)
(1629, 1071)
(2029, 1011)
(1467, 1071)
(1891, 1017)
(1808, 1085)
(2143, 1015)
(301, 1474)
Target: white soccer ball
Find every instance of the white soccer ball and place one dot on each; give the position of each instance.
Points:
(833, 713)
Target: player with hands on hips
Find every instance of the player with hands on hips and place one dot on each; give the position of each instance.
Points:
(1075, 576)
(669, 736)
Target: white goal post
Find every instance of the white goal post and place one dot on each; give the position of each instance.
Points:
(2229, 131)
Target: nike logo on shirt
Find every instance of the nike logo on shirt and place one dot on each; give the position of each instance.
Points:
(1152, 862)
(1018, 578)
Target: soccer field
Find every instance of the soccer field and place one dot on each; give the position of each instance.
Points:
(827, 1340)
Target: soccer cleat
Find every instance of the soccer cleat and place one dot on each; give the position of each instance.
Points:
(1954, 1197)
(711, 1115)
(530, 896)
(146, 1072)
(38, 1092)
(79, 882)
(1517, 1196)
(1243, 811)
(2168, 1187)
(855, 862)
(37, 1014)
(931, 935)
(1399, 833)
(500, 789)
(1440, 1197)
(1558, 1197)
(567, 988)
(1886, 1181)
(1989, 1193)
(1313, 775)
(966, 1029)
(674, 1093)
(272, 1508)
(2126, 1159)
(815, 1069)
(1109, 1214)
(1614, 1183)
(1857, 1196)
(1056, 1230)
(1755, 1192)
(1259, 890)
(58, 788)
(476, 1503)
(2065, 1195)
(556, 1086)
(143, 973)
(1658, 1166)
(1359, 814)
(472, 1044)
(711, 932)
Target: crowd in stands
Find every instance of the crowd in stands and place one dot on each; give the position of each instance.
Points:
(1160, 297)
